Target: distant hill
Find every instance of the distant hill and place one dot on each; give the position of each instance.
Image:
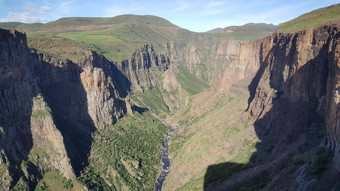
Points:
(122, 19)
(312, 19)
(251, 30)
(15, 25)
(76, 22)
(115, 37)
(258, 30)
(216, 30)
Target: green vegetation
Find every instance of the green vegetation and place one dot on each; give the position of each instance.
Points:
(91, 37)
(122, 19)
(189, 82)
(53, 180)
(39, 152)
(209, 136)
(116, 38)
(126, 155)
(319, 161)
(40, 114)
(153, 100)
(55, 46)
(10, 25)
(18, 25)
(312, 19)
(246, 32)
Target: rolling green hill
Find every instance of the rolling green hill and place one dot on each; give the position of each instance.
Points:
(312, 19)
(115, 37)
(250, 31)
(122, 19)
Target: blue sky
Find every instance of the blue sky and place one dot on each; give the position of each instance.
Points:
(195, 15)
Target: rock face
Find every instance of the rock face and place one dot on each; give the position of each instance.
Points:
(244, 67)
(45, 103)
(298, 90)
(143, 68)
(294, 98)
(26, 123)
(302, 67)
(206, 59)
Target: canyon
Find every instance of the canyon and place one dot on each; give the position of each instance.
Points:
(260, 114)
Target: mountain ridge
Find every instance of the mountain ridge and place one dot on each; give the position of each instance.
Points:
(248, 115)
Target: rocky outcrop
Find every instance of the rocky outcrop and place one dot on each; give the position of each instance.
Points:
(244, 67)
(302, 67)
(48, 151)
(297, 91)
(45, 103)
(26, 122)
(294, 100)
(143, 68)
(205, 58)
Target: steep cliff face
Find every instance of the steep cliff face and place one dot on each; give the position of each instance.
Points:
(244, 67)
(297, 92)
(83, 96)
(302, 67)
(26, 122)
(294, 106)
(49, 108)
(144, 67)
(206, 58)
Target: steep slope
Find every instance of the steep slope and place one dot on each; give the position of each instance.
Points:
(143, 48)
(119, 37)
(312, 19)
(250, 31)
(293, 95)
(29, 135)
(55, 114)
(284, 138)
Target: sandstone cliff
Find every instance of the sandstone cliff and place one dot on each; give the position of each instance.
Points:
(293, 104)
(49, 108)
(205, 58)
(143, 68)
(28, 129)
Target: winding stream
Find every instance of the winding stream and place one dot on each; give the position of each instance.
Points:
(165, 160)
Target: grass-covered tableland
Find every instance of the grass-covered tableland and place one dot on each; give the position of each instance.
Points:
(312, 19)
(250, 31)
(122, 19)
(118, 37)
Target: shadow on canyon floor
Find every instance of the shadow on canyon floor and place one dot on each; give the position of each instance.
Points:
(292, 123)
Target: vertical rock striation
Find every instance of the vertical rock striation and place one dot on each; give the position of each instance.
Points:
(293, 104)
(49, 108)
(144, 67)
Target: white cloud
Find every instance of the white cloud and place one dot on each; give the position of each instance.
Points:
(22, 17)
(41, 10)
(26, 15)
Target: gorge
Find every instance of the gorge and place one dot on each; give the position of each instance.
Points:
(86, 104)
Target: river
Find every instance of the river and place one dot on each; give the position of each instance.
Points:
(165, 160)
